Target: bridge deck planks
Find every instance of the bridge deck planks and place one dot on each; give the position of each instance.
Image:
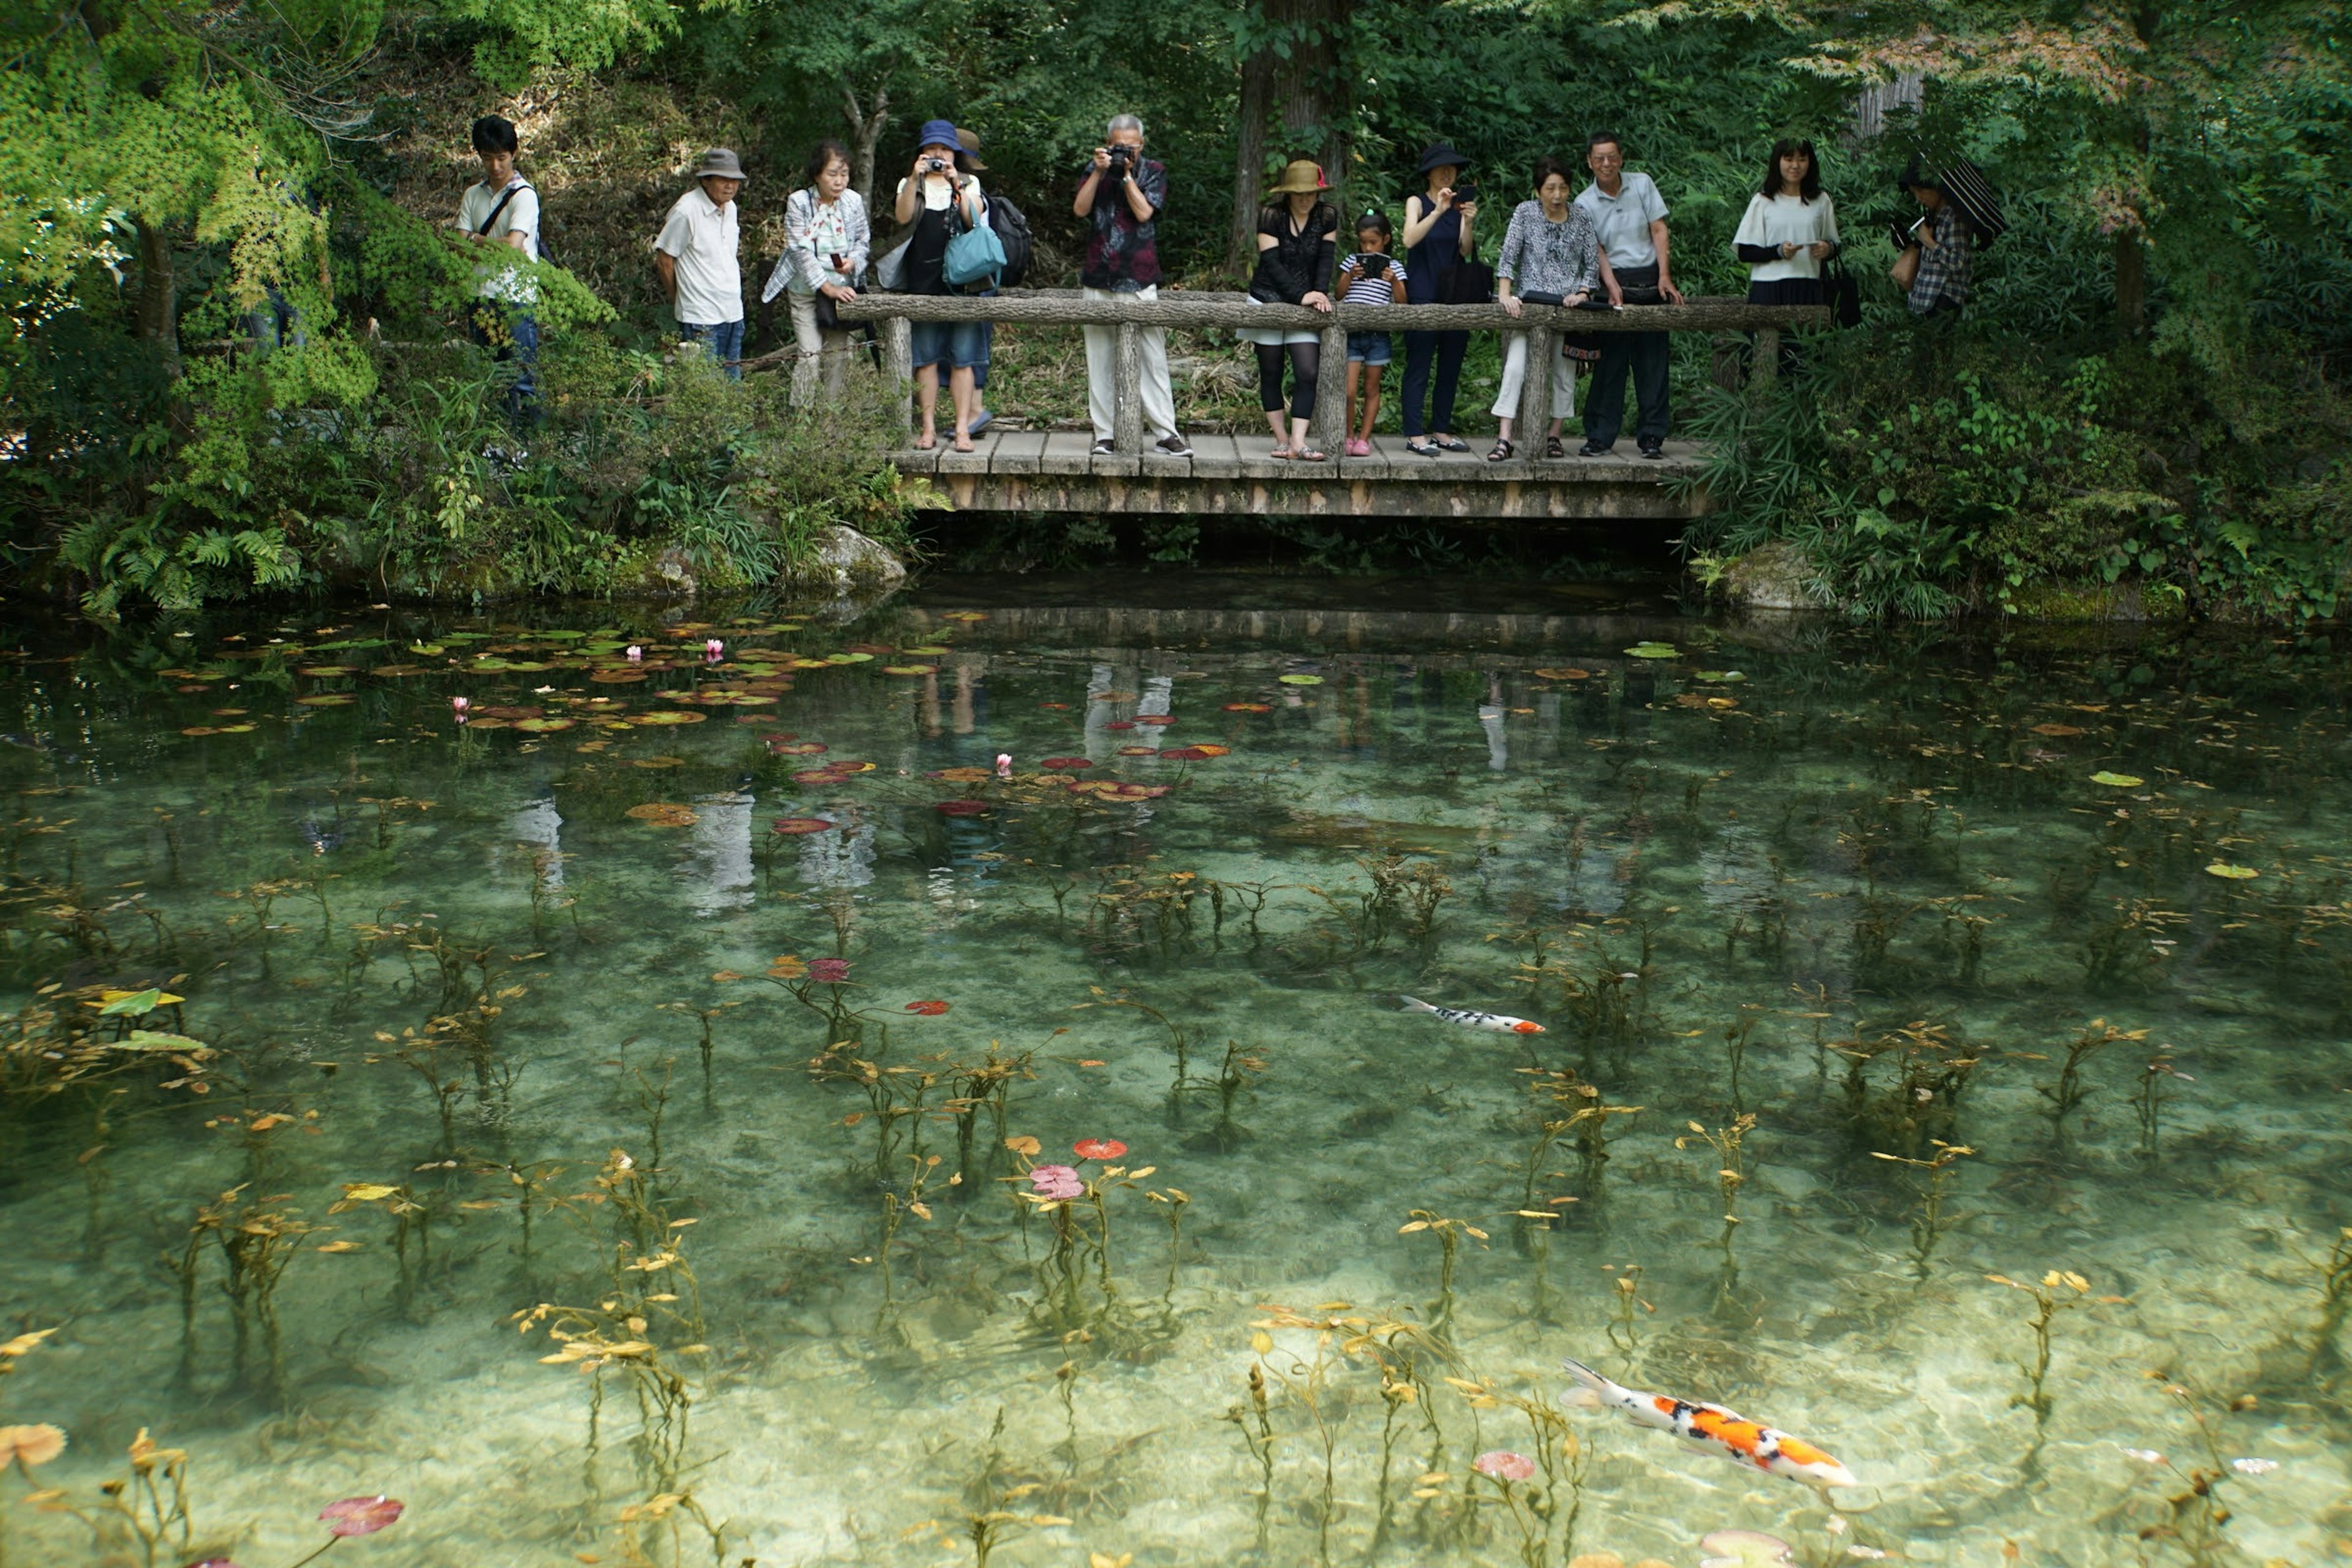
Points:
(1058, 471)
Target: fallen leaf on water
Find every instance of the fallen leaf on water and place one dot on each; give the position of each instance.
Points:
(2057, 730)
(664, 814)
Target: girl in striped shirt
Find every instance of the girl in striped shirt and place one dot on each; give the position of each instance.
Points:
(1370, 276)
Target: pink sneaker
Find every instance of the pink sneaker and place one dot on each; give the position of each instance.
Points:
(1359, 447)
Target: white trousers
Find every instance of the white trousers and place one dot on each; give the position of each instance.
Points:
(1102, 373)
(834, 348)
(1514, 378)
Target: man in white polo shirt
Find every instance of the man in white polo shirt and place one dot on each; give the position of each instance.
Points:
(701, 269)
(1631, 216)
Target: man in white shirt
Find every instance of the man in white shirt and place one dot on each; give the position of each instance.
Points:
(700, 269)
(503, 209)
(1631, 217)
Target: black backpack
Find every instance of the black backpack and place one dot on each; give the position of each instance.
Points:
(1012, 233)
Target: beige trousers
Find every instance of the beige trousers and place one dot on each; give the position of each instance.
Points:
(1102, 373)
(832, 348)
(1514, 378)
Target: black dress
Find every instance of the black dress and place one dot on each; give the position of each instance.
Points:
(1298, 263)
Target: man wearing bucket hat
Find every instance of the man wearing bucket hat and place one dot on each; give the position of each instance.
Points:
(701, 271)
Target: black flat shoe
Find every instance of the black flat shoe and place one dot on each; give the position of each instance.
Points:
(1654, 452)
(1591, 449)
(1421, 449)
(1448, 444)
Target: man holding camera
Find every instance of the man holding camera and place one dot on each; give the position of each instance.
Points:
(1121, 197)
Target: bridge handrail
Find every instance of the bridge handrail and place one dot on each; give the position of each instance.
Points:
(1544, 324)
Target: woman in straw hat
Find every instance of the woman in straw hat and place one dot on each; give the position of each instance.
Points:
(1297, 238)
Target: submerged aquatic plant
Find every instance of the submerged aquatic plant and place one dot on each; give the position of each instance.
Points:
(1927, 1219)
(1449, 1233)
(2058, 1290)
(2069, 1091)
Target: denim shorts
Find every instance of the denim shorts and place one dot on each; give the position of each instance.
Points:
(959, 345)
(1372, 348)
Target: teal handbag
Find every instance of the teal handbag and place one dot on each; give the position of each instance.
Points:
(974, 254)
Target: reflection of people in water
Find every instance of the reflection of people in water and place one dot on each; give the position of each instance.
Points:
(1490, 718)
(537, 827)
(718, 856)
(843, 858)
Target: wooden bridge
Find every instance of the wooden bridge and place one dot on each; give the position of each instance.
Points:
(1058, 471)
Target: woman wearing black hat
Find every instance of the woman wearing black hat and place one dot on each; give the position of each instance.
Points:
(1437, 239)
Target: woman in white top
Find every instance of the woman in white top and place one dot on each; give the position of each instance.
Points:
(1790, 229)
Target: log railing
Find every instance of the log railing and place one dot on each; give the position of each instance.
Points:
(1543, 325)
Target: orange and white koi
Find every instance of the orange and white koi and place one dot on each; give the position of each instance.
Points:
(1463, 1016)
(1712, 1427)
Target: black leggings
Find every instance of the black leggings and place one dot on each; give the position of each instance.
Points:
(1306, 364)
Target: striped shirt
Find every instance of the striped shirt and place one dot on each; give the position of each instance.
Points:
(1375, 287)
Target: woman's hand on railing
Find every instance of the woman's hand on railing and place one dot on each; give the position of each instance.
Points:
(1511, 306)
(840, 293)
(1579, 298)
(1316, 299)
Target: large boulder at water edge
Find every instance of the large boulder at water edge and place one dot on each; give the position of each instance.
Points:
(844, 559)
(1775, 576)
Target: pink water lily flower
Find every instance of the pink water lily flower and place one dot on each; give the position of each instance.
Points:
(361, 1515)
(712, 647)
(1004, 764)
(458, 705)
(1502, 1465)
(828, 971)
(1056, 1182)
(637, 653)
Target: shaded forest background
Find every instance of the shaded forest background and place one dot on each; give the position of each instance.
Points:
(2147, 411)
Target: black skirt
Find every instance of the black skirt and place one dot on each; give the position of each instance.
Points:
(1786, 291)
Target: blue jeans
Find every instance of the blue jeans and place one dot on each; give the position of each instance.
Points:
(723, 341)
(958, 345)
(515, 335)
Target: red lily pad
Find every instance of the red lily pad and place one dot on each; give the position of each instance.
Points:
(961, 807)
(360, 1515)
(1249, 707)
(793, 826)
(1065, 765)
(1155, 719)
(927, 1009)
(799, 748)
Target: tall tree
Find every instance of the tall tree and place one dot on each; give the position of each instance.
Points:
(1293, 60)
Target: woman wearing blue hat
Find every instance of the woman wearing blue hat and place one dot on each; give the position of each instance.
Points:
(930, 193)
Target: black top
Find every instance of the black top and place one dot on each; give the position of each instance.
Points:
(926, 250)
(1298, 263)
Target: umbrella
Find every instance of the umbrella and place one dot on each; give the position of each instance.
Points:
(1965, 186)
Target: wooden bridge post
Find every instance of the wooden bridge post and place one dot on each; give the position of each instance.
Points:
(1328, 432)
(1535, 391)
(899, 364)
(1127, 415)
(1767, 356)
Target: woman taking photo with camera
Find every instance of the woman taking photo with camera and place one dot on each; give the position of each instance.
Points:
(1437, 239)
(939, 203)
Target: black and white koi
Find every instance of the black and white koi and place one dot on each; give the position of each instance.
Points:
(1463, 1016)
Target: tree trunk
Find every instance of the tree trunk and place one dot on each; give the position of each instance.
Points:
(1249, 161)
(1312, 92)
(2131, 282)
(159, 305)
(865, 138)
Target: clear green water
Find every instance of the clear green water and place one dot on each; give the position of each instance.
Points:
(1861, 835)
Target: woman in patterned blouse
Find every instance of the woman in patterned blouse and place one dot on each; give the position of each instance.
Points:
(1552, 254)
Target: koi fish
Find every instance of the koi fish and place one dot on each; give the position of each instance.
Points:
(1712, 1427)
(1502, 1021)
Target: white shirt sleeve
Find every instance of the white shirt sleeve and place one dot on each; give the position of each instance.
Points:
(677, 234)
(1751, 226)
(521, 216)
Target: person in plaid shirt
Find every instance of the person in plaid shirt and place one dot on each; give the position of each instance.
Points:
(1948, 248)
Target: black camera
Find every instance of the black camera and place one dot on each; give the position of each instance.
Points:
(1464, 195)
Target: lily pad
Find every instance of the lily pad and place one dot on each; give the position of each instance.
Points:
(664, 814)
(326, 671)
(1301, 680)
(793, 826)
(2233, 873)
(667, 716)
(328, 699)
(1654, 650)
(961, 807)
(1252, 707)
(910, 669)
(1065, 764)
(1721, 676)
(156, 1041)
(1569, 672)
(2117, 781)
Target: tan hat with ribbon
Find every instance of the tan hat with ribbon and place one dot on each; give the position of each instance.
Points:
(1300, 176)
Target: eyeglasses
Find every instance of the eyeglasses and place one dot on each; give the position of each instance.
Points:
(1607, 157)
